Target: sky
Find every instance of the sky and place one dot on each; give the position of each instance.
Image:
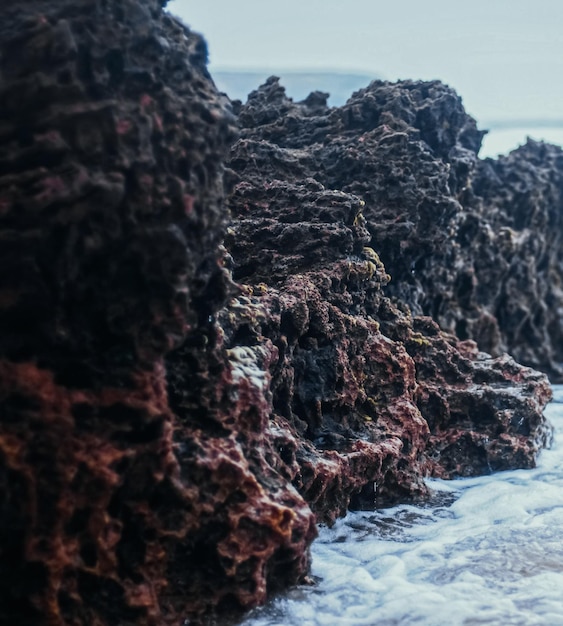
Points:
(504, 57)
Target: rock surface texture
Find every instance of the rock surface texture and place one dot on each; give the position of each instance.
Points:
(118, 504)
(475, 244)
(361, 377)
(183, 397)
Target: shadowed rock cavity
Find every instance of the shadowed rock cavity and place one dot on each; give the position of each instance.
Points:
(169, 436)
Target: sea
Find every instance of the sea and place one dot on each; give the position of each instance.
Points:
(480, 551)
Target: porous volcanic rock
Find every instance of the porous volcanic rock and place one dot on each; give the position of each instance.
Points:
(517, 235)
(357, 373)
(118, 503)
(475, 244)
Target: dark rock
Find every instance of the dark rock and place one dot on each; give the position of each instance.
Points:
(385, 396)
(475, 244)
(126, 496)
(520, 197)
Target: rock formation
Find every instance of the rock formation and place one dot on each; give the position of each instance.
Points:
(475, 244)
(112, 215)
(359, 373)
(183, 398)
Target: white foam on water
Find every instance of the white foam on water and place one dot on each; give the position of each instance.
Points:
(482, 551)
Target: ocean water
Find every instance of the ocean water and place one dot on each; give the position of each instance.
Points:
(485, 550)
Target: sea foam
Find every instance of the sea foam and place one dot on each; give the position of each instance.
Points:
(484, 550)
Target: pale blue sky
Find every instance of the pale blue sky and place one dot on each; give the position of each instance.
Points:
(504, 57)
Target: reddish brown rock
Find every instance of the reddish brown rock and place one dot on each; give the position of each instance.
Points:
(384, 397)
(124, 499)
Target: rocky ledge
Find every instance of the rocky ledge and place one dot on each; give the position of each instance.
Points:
(210, 344)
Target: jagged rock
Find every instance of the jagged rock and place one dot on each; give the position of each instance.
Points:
(518, 201)
(362, 382)
(119, 503)
(475, 244)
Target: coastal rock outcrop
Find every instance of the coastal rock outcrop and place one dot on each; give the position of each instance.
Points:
(121, 499)
(473, 243)
(186, 392)
(385, 376)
